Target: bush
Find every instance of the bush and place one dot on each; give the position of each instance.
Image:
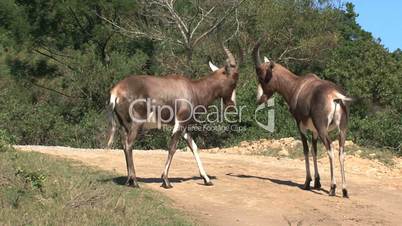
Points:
(5, 141)
(380, 129)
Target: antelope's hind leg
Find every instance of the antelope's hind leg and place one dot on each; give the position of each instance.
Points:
(128, 152)
(306, 185)
(342, 137)
(317, 184)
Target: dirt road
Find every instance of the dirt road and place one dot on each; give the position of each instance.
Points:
(259, 190)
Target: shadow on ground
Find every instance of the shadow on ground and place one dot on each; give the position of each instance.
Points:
(277, 181)
(122, 179)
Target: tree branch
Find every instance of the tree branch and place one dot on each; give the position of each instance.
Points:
(52, 90)
(213, 27)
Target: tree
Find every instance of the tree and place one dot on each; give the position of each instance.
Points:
(183, 23)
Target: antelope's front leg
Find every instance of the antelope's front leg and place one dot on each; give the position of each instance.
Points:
(193, 147)
(172, 150)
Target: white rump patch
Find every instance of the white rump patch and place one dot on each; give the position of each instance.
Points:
(334, 116)
(233, 97)
(266, 60)
(212, 66)
(260, 92)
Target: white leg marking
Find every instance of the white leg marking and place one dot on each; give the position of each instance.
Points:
(194, 149)
(151, 117)
(167, 165)
(332, 164)
(176, 126)
(342, 163)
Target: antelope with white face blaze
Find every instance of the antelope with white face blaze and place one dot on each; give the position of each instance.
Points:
(317, 105)
(164, 93)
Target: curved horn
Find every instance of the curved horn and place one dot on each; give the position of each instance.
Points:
(256, 54)
(231, 58)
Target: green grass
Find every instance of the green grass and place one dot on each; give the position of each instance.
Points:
(36, 189)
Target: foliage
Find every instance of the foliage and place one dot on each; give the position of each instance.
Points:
(5, 140)
(58, 62)
(61, 193)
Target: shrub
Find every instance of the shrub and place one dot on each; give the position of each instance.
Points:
(5, 140)
(382, 128)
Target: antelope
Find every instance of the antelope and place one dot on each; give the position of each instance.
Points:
(317, 105)
(163, 93)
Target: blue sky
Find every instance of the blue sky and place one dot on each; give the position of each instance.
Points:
(383, 19)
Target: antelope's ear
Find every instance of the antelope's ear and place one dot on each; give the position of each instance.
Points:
(212, 66)
(266, 60)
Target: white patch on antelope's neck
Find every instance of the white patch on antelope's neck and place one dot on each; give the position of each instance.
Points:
(212, 66)
(260, 92)
(113, 100)
(176, 126)
(266, 60)
(233, 97)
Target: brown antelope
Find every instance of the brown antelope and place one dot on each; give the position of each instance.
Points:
(317, 105)
(163, 93)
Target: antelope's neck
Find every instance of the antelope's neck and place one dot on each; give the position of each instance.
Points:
(285, 84)
(206, 90)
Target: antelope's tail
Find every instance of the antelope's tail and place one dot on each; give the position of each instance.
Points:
(112, 117)
(343, 98)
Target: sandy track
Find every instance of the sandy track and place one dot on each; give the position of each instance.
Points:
(259, 190)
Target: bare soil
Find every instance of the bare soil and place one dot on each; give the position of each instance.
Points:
(258, 190)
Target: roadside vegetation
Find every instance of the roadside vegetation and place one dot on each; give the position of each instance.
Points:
(293, 148)
(36, 189)
(59, 60)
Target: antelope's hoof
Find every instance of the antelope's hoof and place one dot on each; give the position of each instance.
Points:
(332, 190)
(317, 184)
(132, 183)
(209, 183)
(166, 185)
(345, 193)
(306, 185)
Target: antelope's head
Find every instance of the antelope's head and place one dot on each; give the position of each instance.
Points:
(264, 72)
(227, 77)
